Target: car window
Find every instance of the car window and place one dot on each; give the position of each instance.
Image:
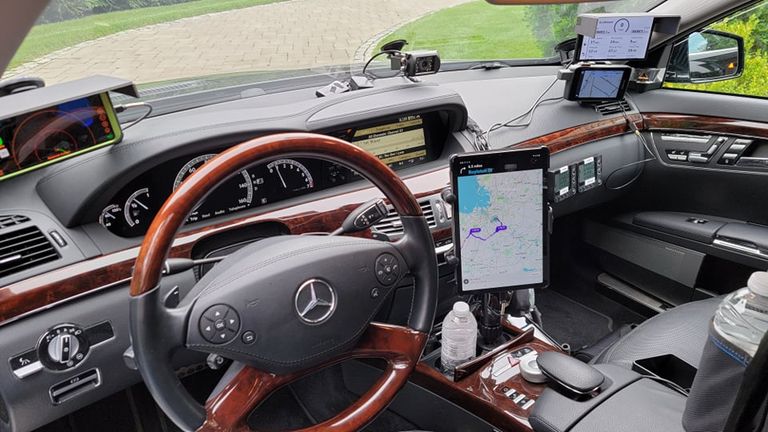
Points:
(211, 43)
(752, 25)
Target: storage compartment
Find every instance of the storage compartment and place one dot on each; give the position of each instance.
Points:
(667, 367)
(665, 271)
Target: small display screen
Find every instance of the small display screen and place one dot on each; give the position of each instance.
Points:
(600, 84)
(618, 38)
(587, 174)
(562, 181)
(398, 144)
(500, 224)
(46, 136)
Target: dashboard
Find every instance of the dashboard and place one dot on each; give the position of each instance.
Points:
(95, 208)
(400, 142)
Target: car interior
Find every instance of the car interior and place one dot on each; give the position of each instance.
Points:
(286, 257)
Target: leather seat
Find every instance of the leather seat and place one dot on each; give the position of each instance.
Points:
(629, 403)
(681, 331)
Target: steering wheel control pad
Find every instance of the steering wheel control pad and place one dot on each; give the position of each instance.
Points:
(300, 299)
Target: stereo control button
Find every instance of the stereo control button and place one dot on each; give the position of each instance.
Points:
(219, 324)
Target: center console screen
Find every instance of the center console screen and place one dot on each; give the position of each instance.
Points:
(399, 143)
(499, 219)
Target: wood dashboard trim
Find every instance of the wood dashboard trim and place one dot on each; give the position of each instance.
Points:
(45, 291)
(704, 124)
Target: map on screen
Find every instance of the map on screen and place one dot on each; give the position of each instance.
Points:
(600, 84)
(501, 224)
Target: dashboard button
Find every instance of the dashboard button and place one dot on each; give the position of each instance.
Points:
(25, 364)
(62, 347)
(737, 147)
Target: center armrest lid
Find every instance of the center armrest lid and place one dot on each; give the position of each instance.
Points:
(570, 373)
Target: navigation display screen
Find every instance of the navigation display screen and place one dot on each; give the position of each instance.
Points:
(499, 220)
(618, 38)
(42, 137)
(398, 144)
(600, 84)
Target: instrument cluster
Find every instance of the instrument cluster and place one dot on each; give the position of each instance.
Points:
(132, 210)
(400, 142)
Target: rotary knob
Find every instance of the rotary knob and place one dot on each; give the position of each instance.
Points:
(62, 347)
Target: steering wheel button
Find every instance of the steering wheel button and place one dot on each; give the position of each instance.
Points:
(219, 324)
(386, 269)
(248, 337)
(232, 322)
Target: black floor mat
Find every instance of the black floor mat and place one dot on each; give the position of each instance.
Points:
(568, 321)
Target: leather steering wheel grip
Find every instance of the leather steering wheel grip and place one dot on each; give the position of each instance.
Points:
(155, 330)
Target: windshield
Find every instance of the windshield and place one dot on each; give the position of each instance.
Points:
(152, 41)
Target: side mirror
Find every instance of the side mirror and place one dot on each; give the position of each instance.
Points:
(706, 56)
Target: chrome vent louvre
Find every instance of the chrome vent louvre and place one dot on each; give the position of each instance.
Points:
(23, 249)
(612, 108)
(391, 224)
(11, 220)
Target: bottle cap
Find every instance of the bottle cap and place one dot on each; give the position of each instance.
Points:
(461, 308)
(758, 283)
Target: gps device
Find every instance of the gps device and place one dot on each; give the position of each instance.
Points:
(54, 133)
(500, 231)
(615, 37)
(596, 83)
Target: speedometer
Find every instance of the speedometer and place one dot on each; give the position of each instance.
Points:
(234, 194)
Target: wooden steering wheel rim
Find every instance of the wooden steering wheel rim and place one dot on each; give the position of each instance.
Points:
(399, 346)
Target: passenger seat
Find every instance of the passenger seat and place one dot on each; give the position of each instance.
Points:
(681, 331)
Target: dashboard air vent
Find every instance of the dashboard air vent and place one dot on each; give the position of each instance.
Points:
(11, 220)
(391, 224)
(23, 249)
(613, 108)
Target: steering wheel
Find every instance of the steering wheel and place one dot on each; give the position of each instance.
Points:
(286, 306)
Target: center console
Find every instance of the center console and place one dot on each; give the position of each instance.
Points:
(491, 386)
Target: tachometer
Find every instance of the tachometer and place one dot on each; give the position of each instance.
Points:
(110, 215)
(136, 209)
(234, 194)
(290, 175)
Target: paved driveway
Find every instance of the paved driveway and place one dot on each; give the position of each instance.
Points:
(285, 35)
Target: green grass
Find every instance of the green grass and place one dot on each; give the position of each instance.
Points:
(47, 38)
(472, 31)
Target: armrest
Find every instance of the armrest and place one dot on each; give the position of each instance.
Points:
(572, 374)
(691, 226)
(747, 235)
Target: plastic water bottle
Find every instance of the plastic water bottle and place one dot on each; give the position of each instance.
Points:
(742, 317)
(459, 339)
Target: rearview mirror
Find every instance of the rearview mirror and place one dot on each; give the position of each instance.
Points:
(706, 56)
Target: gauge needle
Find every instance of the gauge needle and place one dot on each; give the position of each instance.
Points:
(109, 215)
(139, 203)
(277, 168)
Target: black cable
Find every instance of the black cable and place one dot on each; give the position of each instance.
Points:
(641, 139)
(374, 57)
(530, 111)
(671, 384)
(125, 107)
(540, 328)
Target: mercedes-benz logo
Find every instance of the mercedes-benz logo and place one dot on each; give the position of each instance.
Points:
(315, 301)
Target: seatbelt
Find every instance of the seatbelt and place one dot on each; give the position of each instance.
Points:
(748, 412)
